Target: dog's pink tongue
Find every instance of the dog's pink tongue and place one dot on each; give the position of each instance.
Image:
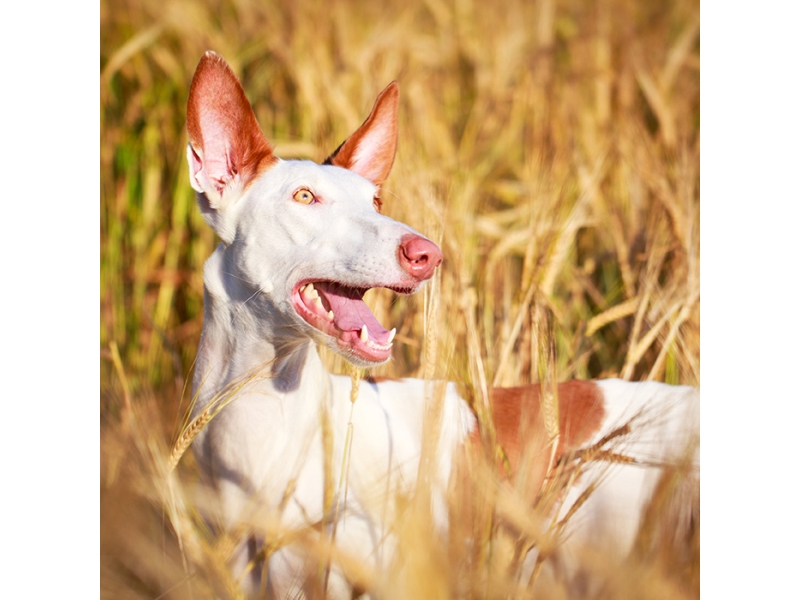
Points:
(350, 313)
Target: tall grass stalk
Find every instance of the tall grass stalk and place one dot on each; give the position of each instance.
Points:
(550, 148)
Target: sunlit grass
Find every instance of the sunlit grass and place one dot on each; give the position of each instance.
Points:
(550, 148)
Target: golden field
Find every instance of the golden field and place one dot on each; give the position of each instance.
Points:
(550, 148)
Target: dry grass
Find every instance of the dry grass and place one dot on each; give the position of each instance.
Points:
(550, 148)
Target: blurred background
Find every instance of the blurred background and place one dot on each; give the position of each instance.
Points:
(550, 147)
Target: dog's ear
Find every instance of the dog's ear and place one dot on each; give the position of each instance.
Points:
(227, 148)
(370, 150)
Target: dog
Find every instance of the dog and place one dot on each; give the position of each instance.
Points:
(300, 245)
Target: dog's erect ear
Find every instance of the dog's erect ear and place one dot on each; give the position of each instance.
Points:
(227, 148)
(370, 150)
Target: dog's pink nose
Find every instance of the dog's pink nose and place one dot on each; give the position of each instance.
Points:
(418, 256)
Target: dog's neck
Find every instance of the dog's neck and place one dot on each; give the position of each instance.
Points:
(238, 342)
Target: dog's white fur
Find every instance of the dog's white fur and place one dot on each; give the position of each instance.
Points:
(269, 439)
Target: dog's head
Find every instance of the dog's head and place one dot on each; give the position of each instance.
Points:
(307, 240)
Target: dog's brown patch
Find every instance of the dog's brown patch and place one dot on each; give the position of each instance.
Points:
(520, 428)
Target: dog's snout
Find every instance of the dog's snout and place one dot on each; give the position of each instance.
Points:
(418, 256)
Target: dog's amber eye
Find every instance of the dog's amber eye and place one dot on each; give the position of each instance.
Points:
(304, 196)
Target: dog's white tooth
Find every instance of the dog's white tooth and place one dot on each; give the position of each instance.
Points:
(310, 287)
(318, 302)
(364, 334)
(330, 315)
(311, 293)
(391, 335)
(302, 287)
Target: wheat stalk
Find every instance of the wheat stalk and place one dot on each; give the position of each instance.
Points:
(218, 402)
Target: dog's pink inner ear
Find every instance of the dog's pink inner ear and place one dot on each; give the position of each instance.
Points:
(371, 149)
(225, 137)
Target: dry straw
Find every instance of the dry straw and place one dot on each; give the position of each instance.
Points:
(552, 150)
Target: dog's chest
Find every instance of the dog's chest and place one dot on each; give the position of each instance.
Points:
(270, 447)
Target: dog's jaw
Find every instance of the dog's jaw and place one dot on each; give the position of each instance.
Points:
(343, 322)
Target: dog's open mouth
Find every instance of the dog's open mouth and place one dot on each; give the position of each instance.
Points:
(340, 312)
